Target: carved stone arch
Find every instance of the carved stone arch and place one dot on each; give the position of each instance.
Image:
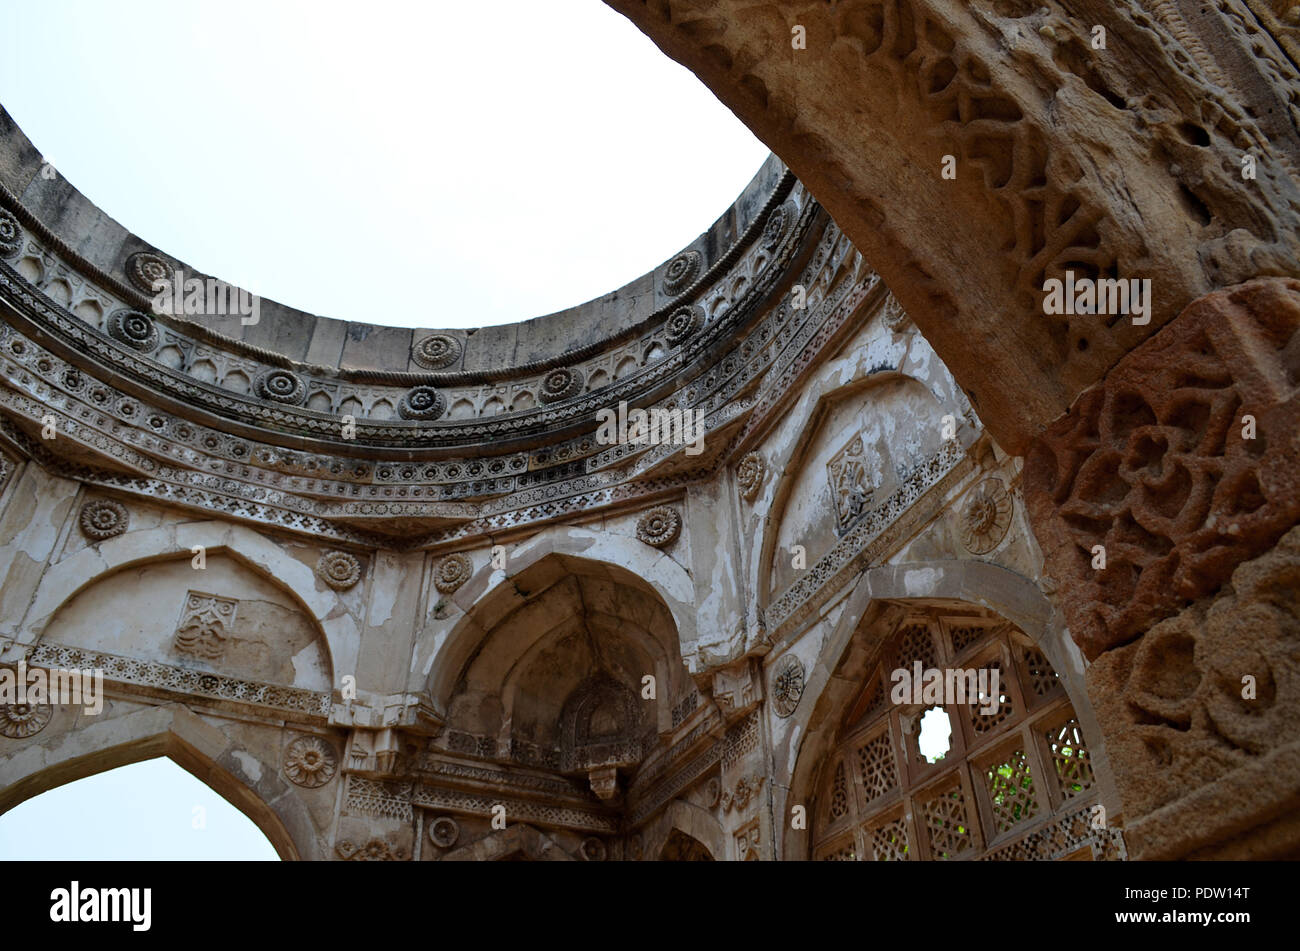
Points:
(65, 579)
(691, 821)
(999, 590)
(490, 595)
(84, 747)
(1054, 162)
(660, 660)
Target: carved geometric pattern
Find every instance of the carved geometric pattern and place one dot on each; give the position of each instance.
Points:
(888, 841)
(778, 222)
(876, 768)
(182, 680)
(914, 811)
(916, 643)
(444, 831)
(946, 823)
(683, 323)
(1011, 791)
(1070, 756)
(280, 386)
(1042, 677)
(205, 625)
(841, 853)
(740, 740)
(1066, 834)
(839, 794)
(964, 636)
(984, 723)
(1174, 699)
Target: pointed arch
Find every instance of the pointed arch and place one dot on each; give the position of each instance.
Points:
(49, 760)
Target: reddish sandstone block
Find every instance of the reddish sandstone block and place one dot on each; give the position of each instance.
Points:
(1153, 465)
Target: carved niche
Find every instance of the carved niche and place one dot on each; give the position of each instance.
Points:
(601, 730)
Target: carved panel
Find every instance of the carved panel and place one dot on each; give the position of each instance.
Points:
(850, 474)
(1180, 466)
(205, 625)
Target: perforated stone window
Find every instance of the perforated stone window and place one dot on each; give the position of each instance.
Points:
(1015, 781)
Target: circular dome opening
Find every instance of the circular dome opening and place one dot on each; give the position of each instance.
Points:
(395, 165)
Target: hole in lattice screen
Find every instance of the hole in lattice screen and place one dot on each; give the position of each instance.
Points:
(934, 739)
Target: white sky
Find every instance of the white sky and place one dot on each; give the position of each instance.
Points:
(386, 162)
(395, 163)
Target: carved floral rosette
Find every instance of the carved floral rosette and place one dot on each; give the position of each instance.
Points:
(102, 519)
(134, 329)
(787, 685)
(436, 351)
(681, 271)
(985, 517)
(310, 761)
(777, 224)
(280, 386)
(444, 832)
(750, 474)
(11, 235)
(452, 572)
(593, 849)
(423, 403)
(339, 569)
(143, 269)
(21, 720)
(684, 322)
(659, 527)
(561, 385)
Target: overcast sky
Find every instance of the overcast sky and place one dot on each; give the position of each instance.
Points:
(397, 163)
(387, 162)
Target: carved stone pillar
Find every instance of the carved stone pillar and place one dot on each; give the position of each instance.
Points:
(1165, 503)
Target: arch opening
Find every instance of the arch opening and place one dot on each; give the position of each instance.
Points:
(952, 737)
(147, 810)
